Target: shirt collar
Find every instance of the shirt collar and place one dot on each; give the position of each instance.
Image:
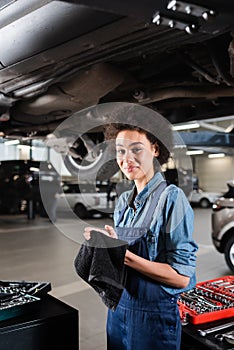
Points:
(147, 190)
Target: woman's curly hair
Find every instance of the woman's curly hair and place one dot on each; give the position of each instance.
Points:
(128, 118)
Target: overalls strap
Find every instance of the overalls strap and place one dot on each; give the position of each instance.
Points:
(156, 195)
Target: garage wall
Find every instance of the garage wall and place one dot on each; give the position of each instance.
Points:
(8, 153)
(214, 173)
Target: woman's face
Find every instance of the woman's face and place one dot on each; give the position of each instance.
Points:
(135, 155)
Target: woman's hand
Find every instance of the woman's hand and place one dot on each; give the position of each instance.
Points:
(129, 256)
(109, 231)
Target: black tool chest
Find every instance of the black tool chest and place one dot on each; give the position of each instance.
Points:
(31, 319)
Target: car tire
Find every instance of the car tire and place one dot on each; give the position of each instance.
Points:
(204, 203)
(81, 211)
(229, 253)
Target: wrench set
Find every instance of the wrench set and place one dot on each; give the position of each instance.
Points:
(208, 301)
(15, 296)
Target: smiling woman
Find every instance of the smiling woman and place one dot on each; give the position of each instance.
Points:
(136, 116)
(135, 154)
(156, 221)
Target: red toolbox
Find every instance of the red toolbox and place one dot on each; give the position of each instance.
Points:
(208, 301)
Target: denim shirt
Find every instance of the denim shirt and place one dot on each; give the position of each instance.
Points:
(171, 227)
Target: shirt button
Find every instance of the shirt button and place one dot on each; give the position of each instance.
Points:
(171, 328)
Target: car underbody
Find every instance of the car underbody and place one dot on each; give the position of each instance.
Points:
(59, 57)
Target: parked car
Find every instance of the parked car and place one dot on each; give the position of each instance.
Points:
(223, 225)
(21, 184)
(85, 200)
(202, 198)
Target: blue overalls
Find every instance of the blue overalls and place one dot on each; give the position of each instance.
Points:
(147, 317)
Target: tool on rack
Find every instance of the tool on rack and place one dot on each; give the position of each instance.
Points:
(208, 301)
(18, 297)
(229, 337)
(204, 332)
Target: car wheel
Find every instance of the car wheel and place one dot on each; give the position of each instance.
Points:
(80, 211)
(229, 253)
(99, 171)
(204, 203)
(91, 161)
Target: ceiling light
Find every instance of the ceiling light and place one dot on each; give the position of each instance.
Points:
(34, 169)
(11, 142)
(194, 152)
(216, 155)
(230, 129)
(185, 126)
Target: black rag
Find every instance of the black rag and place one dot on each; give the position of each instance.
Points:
(100, 263)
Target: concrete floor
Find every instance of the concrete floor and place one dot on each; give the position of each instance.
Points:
(36, 250)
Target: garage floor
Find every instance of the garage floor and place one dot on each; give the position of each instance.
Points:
(36, 250)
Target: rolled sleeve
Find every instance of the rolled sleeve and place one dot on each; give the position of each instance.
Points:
(180, 247)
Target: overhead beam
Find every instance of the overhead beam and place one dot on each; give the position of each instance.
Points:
(130, 8)
(207, 139)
